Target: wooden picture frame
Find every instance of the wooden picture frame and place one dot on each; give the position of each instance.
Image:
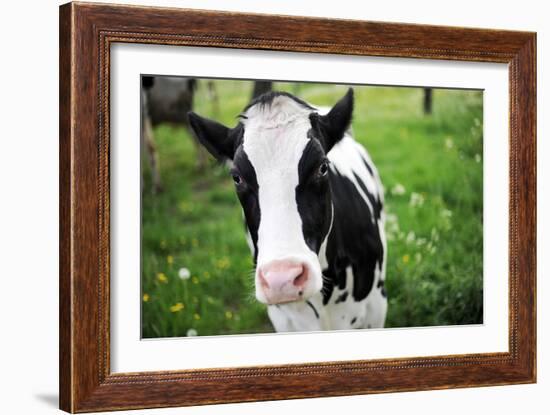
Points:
(86, 33)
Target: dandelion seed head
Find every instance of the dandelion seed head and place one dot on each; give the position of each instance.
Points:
(420, 241)
(391, 218)
(398, 189)
(184, 273)
(435, 235)
(416, 200)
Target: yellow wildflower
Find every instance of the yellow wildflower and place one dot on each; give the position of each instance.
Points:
(145, 297)
(406, 258)
(228, 315)
(196, 316)
(223, 263)
(170, 259)
(177, 307)
(185, 207)
(161, 276)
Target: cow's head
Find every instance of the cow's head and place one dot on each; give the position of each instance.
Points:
(281, 173)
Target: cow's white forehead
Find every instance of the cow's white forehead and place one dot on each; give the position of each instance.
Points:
(281, 111)
(275, 134)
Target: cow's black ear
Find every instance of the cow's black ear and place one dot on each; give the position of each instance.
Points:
(217, 138)
(334, 124)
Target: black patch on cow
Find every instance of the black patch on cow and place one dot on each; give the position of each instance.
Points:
(313, 308)
(353, 320)
(354, 239)
(335, 275)
(369, 167)
(363, 278)
(379, 203)
(267, 99)
(374, 201)
(313, 196)
(341, 298)
(382, 288)
(247, 191)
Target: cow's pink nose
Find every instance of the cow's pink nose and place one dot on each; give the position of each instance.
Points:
(283, 281)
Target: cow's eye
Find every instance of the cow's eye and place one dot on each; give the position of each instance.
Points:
(236, 178)
(323, 169)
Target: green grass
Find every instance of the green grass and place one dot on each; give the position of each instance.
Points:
(431, 167)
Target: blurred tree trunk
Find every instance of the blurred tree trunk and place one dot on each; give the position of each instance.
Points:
(213, 97)
(428, 101)
(261, 87)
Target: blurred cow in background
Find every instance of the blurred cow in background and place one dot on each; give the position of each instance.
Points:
(166, 99)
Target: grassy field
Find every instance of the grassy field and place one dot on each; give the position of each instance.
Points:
(196, 265)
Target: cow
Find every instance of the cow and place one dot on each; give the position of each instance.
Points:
(312, 201)
(166, 99)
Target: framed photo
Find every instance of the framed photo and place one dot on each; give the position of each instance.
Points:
(259, 207)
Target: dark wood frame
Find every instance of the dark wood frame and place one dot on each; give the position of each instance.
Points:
(86, 33)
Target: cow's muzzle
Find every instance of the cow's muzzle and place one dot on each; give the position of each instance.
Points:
(283, 281)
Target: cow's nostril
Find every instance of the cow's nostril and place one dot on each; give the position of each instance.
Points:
(301, 279)
(263, 281)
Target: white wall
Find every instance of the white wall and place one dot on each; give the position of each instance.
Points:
(28, 207)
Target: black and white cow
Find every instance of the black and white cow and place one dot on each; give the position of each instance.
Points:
(313, 205)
